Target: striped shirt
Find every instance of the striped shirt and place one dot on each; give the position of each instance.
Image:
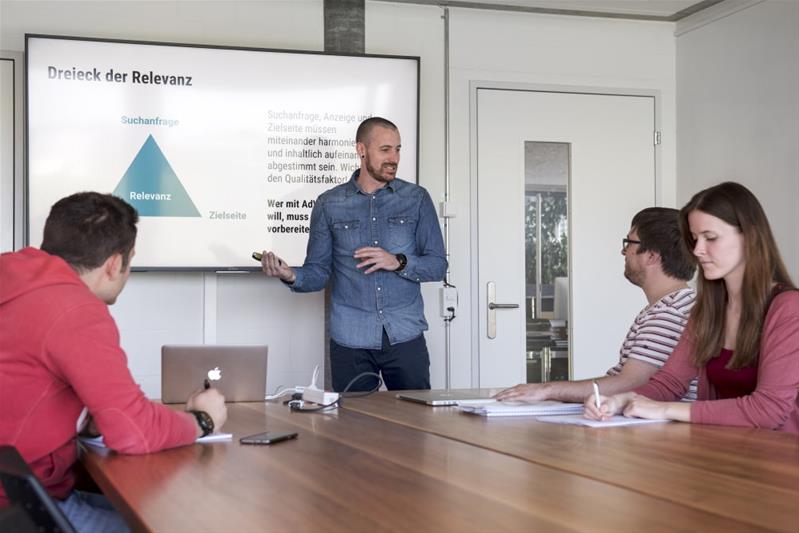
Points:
(655, 332)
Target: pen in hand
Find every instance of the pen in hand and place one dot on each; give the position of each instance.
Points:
(596, 394)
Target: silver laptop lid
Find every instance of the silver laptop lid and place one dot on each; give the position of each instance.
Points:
(443, 397)
(239, 372)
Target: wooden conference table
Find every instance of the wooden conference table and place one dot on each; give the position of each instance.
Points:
(381, 464)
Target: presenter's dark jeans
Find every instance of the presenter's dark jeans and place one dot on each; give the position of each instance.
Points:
(403, 366)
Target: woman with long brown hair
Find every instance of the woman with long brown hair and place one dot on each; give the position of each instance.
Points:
(742, 338)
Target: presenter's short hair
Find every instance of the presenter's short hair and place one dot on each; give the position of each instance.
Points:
(366, 127)
(658, 230)
(87, 228)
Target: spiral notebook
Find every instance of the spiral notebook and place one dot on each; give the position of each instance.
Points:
(539, 408)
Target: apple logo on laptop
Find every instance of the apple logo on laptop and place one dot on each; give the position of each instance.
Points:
(215, 374)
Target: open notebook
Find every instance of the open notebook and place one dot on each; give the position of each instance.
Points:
(539, 408)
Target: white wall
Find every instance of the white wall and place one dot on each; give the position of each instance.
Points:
(485, 45)
(388, 31)
(11, 118)
(160, 308)
(522, 48)
(738, 111)
(548, 50)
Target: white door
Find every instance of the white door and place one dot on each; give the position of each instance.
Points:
(611, 177)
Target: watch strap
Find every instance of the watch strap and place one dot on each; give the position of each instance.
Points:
(205, 422)
(402, 262)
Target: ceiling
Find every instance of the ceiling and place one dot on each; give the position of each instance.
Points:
(662, 10)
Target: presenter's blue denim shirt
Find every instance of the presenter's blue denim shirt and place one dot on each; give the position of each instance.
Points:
(400, 218)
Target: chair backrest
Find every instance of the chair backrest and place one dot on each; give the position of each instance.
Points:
(16, 519)
(24, 491)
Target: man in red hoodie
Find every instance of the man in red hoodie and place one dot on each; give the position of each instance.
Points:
(60, 354)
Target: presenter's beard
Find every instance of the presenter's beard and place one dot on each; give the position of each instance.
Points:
(386, 172)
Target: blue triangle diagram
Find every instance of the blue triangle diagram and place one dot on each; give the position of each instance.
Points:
(152, 187)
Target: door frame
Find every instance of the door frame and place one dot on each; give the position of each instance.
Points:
(474, 281)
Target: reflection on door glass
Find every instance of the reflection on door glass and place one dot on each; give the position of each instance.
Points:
(546, 235)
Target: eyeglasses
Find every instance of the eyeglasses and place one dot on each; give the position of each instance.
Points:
(625, 242)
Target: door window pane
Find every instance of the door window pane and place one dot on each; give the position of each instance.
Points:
(546, 260)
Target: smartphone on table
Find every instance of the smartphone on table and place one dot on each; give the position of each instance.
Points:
(269, 437)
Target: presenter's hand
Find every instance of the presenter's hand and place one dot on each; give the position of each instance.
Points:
(212, 402)
(275, 267)
(526, 392)
(375, 259)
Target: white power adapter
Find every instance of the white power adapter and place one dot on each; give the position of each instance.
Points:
(314, 394)
(319, 396)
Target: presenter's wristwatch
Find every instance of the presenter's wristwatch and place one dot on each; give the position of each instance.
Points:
(205, 422)
(402, 262)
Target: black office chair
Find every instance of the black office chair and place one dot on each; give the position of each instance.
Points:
(25, 493)
(16, 519)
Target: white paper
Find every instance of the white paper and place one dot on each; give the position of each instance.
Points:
(476, 401)
(98, 442)
(618, 420)
(543, 407)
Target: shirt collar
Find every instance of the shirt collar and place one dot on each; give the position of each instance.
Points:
(353, 188)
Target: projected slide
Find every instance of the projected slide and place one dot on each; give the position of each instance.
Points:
(222, 151)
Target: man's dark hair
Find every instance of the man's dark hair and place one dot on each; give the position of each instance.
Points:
(366, 127)
(87, 228)
(658, 230)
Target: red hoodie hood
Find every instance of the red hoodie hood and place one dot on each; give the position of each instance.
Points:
(30, 269)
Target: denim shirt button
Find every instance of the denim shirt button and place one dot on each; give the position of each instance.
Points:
(380, 288)
(375, 242)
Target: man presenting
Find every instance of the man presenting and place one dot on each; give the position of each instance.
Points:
(60, 355)
(654, 261)
(376, 238)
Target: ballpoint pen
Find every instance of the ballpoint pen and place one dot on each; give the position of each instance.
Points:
(596, 394)
(206, 384)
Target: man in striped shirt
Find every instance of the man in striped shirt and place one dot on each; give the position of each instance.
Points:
(653, 260)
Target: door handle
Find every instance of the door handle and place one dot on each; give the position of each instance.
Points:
(503, 306)
(491, 288)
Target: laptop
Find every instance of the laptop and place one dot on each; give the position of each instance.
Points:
(445, 397)
(239, 372)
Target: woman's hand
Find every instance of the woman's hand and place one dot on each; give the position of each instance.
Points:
(643, 407)
(608, 405)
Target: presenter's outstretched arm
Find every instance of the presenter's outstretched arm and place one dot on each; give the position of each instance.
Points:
(275, 267)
